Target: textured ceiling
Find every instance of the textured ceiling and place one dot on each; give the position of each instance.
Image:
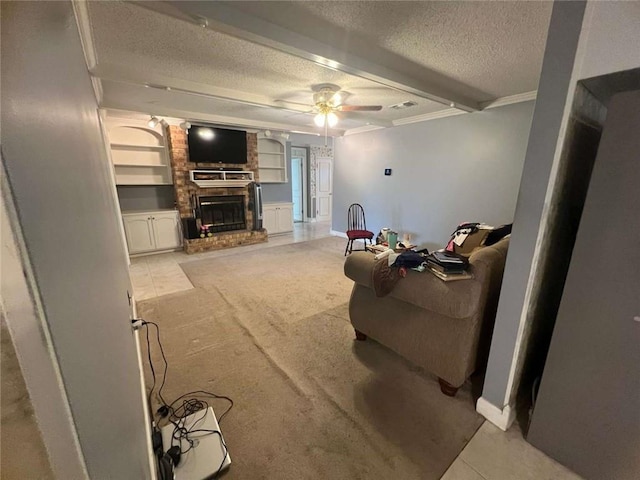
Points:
(485, 49)
(494, 47)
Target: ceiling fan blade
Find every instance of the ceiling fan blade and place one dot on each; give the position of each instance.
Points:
(360, 108)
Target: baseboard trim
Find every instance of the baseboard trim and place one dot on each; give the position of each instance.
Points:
(335, 233)
(502, 419)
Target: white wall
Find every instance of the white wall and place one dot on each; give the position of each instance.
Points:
(444, 172)
(609, 38)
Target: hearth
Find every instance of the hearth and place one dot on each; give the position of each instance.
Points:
(222, 213)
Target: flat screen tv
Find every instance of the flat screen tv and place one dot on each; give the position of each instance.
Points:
(217, 145)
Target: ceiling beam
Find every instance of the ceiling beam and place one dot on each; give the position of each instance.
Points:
(222, 17)
(136, 103)
(131, 75)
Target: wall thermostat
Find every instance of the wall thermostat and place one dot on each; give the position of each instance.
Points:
(387, 171)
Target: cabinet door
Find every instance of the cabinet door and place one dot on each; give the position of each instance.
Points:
(269, 219)
(139, 233)
(285, 218)
(166, 229)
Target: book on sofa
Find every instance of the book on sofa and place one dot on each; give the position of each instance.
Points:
(451, 276)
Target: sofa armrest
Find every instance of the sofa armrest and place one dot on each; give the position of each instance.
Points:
(359, 267)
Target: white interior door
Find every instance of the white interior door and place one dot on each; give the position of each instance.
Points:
(296, 188)
(324, 186)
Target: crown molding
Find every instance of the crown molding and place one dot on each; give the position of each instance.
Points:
(365, 128)
(447, 112)
(81, 12)
(450, 112)
(511, 99)
(97, 89)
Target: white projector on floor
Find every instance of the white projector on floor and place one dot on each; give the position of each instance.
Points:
(208, 455)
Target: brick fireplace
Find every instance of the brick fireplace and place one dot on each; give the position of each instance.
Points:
(217, 207)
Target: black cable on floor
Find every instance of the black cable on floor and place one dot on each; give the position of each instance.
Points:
(177, 415)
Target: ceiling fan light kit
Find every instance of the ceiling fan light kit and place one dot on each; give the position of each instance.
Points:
(328, 100)
(326, 119)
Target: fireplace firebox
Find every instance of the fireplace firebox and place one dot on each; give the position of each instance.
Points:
(222, 213)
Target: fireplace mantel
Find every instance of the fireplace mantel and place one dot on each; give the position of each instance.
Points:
(222, 178)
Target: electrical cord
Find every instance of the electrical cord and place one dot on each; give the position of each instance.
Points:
(177, 415)
(164, 359)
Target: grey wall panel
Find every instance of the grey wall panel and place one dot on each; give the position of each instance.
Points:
(445, 171)
(146, 197)
(588, 411)
(279, 192)
(59, 174)
(557, 67)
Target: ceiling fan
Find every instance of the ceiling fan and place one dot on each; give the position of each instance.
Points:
(328, 102)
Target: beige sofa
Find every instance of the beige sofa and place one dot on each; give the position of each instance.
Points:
(443, 327)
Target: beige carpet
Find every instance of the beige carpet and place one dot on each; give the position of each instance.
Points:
(270, 328)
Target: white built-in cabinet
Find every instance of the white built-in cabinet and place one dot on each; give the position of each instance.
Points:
(151, 231)
(138, 152)
(277, 217)
(272, 160)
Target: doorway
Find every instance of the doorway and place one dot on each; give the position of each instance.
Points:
(298, 177)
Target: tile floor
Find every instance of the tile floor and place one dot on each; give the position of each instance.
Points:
(496, 455)
(155, 275)
(490, 455)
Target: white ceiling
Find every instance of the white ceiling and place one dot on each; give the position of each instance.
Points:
(256, 61)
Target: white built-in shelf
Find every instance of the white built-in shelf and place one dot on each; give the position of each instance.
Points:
(272, 161)
(138, 153)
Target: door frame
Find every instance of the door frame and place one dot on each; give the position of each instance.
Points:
(25, 319)
(301, 152)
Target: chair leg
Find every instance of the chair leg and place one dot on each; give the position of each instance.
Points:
(346, 249)
(350, 247)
